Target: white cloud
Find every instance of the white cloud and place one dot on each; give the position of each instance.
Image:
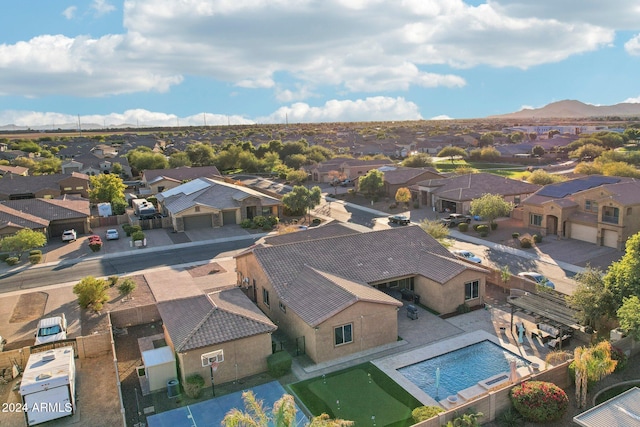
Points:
(300, 93)
(633, 46)
(69, 12)
(635, 100)
(102, 7)
(441, 117)
(378, 108)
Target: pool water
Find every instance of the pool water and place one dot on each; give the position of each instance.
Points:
(460, 369)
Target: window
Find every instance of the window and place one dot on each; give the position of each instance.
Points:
(471, 290)
(265, 297)
(591, 206)
(610, 214)
(282, 307)
(68, 188)
(266, 211)
(516, 200)
(197, 208)
(629, 211)
(80, 187)
(535, 219)
(343, 334)
(160, 188)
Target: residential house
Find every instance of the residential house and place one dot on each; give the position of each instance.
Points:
(396, 177)
(347, 168)
(12, 221)
(332, 296)
(44, 186)
(454, 194)
(156, 181)
(56, 215)
(603, 210)
(14, 170)
(90, 164)
(224, 323)
(207, 203)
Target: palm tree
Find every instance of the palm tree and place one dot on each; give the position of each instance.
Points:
(283, 414)
(593, 364)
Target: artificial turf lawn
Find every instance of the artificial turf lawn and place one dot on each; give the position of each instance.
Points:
(362, 391)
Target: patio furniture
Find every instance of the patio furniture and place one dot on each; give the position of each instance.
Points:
(412, 312)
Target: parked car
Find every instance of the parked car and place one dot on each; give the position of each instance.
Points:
(69, 235)
(469, 256)
(399, 219)
(537, 278)
(51, 329)
(112, 234)
(454, 219)
(348, 183)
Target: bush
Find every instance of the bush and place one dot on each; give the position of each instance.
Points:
(12, 260)
(138, 235)
(273, 220)
(91, 292)
(35, 252)
(126, 287)
(279, 364)
(515, 235)
(134, 229)
(510, 418)
(475, 226)
(494, 225)
(3, 257)
(539, 402)
(482, 228)
(525, 243)
(95, 245)
(246, 223)
(259, 221)
(463, 226)
(127, 229)
(619, 356)
(193, 386)
(537, 238)
(113, 280)
(316, 221)
(422, 413)
(463, 308)
(35, 258)
(484, 233)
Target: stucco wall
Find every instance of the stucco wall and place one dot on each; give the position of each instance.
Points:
(445, 298)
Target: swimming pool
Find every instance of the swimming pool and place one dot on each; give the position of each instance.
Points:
(460, 369)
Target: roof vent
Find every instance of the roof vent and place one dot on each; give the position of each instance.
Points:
(44, 376)
(49, 356)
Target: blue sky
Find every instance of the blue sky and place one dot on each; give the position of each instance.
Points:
(169, 62)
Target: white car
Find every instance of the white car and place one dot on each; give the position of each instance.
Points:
(69, 235)
(538, 278)
(51, 329)
(112, 234)
(469, 256)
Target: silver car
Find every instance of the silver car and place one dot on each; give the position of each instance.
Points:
(469, 256)
(538, 278)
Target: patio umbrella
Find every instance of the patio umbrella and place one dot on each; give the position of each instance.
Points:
(513, 373)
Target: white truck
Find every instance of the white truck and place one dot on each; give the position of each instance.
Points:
(51, 329)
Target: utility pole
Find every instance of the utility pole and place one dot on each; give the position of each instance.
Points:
(79, 125)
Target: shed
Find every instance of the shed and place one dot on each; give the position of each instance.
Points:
(48, 385)
(160, 367)
(104, 209)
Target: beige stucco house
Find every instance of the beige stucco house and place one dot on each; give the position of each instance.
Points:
(603, 210)
(332, 296)
(222, 324)
(156, 181)
(207, 203)
(347, 168)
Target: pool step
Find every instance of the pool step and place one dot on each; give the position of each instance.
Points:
(471, 392)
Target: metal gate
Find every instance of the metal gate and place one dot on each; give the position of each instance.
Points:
(300, 346)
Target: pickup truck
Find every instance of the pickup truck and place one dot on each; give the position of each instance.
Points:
(51, 329)
(454, 219)
(69, 235)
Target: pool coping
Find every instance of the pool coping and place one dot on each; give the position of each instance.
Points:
(390, 365)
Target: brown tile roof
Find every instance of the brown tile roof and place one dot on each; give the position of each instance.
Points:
(625, 193)
(333, 229)
(472, 186)
(52, 209)
(182, 173)
(206, 320)
(399, 175)
(17, 184)
(16, 170)
(9, 215)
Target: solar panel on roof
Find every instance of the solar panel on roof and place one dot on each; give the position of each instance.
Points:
(564, 189)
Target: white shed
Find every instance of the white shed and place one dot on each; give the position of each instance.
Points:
(160, 367)
(48, 385)
(104, 209)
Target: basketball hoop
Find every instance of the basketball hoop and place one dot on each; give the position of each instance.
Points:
(214, 366)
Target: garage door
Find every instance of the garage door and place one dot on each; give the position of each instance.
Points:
(610, 239)
(56, 229)
(197, 221)
(228, 217)
(584, 233)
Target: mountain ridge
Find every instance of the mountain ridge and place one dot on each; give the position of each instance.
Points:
(573, 109)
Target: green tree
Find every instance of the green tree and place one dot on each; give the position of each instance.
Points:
(297, 177)
(270, 161)
(282, 415)
(620, 169)
(437, 230)
(201, 154)
(516, 137)
(23, 240)
(142, 158)
(623, 276)
(296, 161)
(542, 177)
(106, 187)
(588, 151)
(48, 166)
(418, 160)
(487, 139)
(538, 150)
(300, 200)
(372, 183)
(179, 159)
(490, 207)
(91, 292)
(629, 317)
(452, 153)
(591, 364)
(591, 299)
(403, 195)
(116, 169)
(489, 153)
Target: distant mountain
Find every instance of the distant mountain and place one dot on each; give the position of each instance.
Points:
(571, 109)
(63, 126)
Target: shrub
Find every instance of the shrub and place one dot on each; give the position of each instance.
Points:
(35, 258)
(494, 225)
(539, 402)
(91, 292)
(525, 243)
(113, 280)
(484, 233)
(393, 206)
(126, 287)
(316, 221)
(463, 308)
(95, 245)
(620, 357)
(193, 386)
(515, 235)
(572, 375)
(138, 235)
(12, 260)
(259, 221)
(510, 418)
(3, 257)
(279, 364)
(475, 226)
(469, 419)
(537, 238)
(422, 413)
(273, 220)
(246, 223)
(463, 226)
(482, 228)
(127, 229)
(35, 252)
(134, 229)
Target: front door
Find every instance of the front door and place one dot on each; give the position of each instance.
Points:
(552, 224)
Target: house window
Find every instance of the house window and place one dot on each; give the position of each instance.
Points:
(516, 200)
(68, 188)
(266, 211)
(610, 214)
(265, 297)
(80, 187)
(629, 211)
(197, 208)
(591, 206)
(535, 219)
(343, 334)
(471, 290)
(160, 188)
(282, 307)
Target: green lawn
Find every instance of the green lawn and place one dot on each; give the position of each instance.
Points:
(502, 169)
(357, 394)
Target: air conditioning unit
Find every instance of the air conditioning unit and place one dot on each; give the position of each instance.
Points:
(616, 335)
(211, 357)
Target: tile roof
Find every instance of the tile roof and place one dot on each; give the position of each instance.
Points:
(206, 320)
(332, 229)
(16, 170)
(18, 184)
(212, 193)
(9, 215)
(185, 173)
(51, 209)
(625, 193)
(399, 175)
(471, 186)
